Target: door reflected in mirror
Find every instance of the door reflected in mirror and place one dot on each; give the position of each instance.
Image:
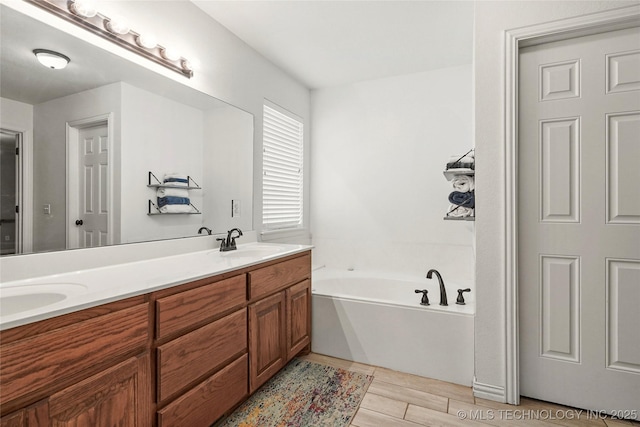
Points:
(91, 133)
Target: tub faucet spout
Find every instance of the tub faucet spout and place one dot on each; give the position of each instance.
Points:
(443, 291)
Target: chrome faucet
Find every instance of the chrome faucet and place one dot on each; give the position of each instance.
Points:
(207, 229)
(229, 244)
(443, 291)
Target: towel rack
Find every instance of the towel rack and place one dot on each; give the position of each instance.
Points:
(155, 183)
(450, 174)
(153, 209)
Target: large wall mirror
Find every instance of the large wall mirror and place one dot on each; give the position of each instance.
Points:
(89, 136)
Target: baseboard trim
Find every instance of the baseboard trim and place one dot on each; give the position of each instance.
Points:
(489, 392)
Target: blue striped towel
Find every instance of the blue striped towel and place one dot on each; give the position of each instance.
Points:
(170, 200)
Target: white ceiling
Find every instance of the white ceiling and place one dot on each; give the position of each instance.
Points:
(330, 43)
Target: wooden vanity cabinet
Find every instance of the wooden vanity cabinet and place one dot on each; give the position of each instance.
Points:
(110, 398)
(267, 339)
(279, 324)
(201, 351)
(36, 415)
(182, 356)
(78, 368)
(298, 298)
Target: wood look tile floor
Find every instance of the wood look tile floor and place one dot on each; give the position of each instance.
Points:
(396, 399)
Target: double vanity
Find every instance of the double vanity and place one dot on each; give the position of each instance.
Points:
(174, 341)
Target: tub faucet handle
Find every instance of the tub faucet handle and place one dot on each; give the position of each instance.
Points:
(460, 299)
(425, 298)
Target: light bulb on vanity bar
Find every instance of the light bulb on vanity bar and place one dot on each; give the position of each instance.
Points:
(84, 8)
(146, 40)
(170, 53)
(117, 25)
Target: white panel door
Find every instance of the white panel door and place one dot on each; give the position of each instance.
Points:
(579, 221)
(93, 218)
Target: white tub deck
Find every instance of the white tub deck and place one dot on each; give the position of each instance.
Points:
(378, 320)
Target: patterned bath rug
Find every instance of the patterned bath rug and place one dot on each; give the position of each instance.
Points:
(303, 394)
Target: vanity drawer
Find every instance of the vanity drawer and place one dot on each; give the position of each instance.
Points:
(191, 356)
(190, 307)
(208, 401)
(56, 358)
(270, 279)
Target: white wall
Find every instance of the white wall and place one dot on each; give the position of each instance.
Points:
(15, 115)
(228, 169)
(378, 192)
(491, 20)
(161, 136)
(50, 157)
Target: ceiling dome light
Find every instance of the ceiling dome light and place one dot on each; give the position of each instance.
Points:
(85, 8)
(51, 59)
(117, 25)
(147, 41)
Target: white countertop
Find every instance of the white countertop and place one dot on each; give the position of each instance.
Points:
(89, 288)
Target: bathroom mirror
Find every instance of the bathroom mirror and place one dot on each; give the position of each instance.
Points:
(85, 194)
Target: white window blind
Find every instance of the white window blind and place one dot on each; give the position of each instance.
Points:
(282, 193)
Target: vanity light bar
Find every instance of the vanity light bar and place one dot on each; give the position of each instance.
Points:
(116, 30)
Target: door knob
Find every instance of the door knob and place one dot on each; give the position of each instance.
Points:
(79, 222)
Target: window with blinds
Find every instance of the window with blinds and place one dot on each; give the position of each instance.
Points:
(282, 193)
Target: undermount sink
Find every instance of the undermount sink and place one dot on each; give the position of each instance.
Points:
(252, 251)
(17, 299)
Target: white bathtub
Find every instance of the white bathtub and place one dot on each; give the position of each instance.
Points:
(376, 318)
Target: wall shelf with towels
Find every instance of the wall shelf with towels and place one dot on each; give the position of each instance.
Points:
(460, 170)
(155, 183)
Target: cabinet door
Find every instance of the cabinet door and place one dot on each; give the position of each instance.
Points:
(266, 339)
(298, 318)
(119, 396)
(36, 415)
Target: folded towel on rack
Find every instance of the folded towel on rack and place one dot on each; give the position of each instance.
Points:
(176, 179)
(176, 209)
(175, 175)
(466, 200)
(170, 200)
(172, 192)
(456, 211)
(463, 183)
(461, 163)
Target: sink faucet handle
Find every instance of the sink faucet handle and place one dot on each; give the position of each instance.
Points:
(460, 299)
(425, 298)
